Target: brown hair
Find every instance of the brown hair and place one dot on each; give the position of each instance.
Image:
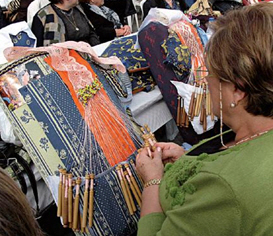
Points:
(16, 216)
(241, 52)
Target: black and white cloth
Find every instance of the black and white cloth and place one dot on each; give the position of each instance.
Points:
(108, 14)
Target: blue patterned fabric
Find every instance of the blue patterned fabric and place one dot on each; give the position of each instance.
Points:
(142, 81)
(178, 56)
(150, 40)
(22, 39)
(51, 103)
(52, 130)
(134, 61)
(110, 211)
(124, 49)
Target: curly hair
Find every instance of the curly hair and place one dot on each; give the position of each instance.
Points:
(241, 52)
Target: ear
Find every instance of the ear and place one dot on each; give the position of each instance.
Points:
(238, 95)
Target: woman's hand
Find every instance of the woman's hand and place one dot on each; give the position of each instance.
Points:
(150, 167)
(123, 31)
(170, 151)
(127, 30)
(120, 32)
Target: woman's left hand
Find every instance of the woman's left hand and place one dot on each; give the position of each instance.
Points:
(150, 167)
(127, 30)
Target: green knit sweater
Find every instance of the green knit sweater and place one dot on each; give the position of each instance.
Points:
(227, 193)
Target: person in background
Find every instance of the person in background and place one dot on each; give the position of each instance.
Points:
(16, 215)
(224, 188)
(166, 4)
(33, 8)
(17, 10)
(105, 20)
(63, 20)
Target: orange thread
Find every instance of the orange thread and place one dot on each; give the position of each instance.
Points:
(105, 122)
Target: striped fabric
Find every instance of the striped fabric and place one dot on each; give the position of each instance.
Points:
(51, 129)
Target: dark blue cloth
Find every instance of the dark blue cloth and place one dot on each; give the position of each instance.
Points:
(178, 57)
(22, 39)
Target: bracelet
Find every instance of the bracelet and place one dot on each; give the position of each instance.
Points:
(152, 182)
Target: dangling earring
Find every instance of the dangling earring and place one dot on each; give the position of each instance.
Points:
(233, 104)
(221, 116)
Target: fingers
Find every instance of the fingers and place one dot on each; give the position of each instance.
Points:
(157, 154)
(127, 30)
(162, 145)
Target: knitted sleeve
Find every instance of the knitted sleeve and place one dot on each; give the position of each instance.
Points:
(211, 209)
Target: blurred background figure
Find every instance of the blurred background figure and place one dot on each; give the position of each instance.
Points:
(33, 8)
(167, 4)
(106, 21)
(17, 10)
(63, 20)
(16, 215)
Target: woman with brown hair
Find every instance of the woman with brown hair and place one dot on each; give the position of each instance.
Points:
(16, 215)
(226, 189)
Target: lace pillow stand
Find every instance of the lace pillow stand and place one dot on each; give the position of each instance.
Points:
(105, 182)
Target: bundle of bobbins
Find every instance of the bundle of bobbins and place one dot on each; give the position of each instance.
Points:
(200, 106)
(68, 206)
(129, 187)
(149, 140)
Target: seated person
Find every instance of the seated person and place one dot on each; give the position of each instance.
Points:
(105, 20)
(222, 186)
(33, 8)
(123, 8)
(63, 20)
(17, 10)
(16, 215)
(166, 4)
